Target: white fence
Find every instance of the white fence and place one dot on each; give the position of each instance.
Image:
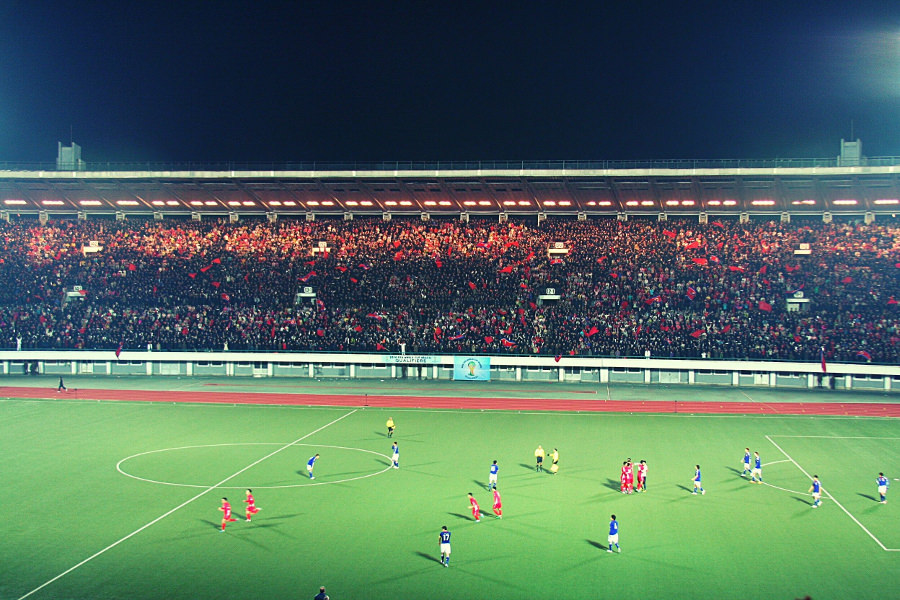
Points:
(503, 368)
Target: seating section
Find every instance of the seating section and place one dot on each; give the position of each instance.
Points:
(673, 288)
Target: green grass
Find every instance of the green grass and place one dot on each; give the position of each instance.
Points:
(376, 537)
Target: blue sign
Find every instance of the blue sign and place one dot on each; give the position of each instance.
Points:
(472, 368)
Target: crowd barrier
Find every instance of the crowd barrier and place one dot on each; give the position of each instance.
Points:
(584, 370)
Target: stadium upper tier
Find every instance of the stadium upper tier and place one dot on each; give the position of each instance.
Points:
(796, 186)
(763, 289)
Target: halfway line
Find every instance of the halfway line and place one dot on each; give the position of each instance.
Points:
(183, 504)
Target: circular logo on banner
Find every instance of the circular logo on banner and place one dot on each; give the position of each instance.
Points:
(472, 368)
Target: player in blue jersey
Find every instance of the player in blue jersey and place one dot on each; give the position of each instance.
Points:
(613, 538)
(697, 484)
(310, 464)
(395, 455)
(492, 476)
(444, 537)
(883, 484)
(816, 490)
(746, 462)
(757, 469)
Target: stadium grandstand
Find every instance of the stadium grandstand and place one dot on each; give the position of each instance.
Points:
(788, 259)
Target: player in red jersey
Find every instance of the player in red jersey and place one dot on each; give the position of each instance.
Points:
(476, 510)
(629, 476)
(252, 509)
(498, 505)
(623, 478)
(226, 513)
(642, 476)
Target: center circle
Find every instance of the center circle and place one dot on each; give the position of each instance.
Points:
(296, 470)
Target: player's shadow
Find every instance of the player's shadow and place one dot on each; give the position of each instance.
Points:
(596, 544)
(216, 525)
(613, 484)
(872, 498)
(685, 488)
(481, 484)
(734, 470)
(428, 557)
(529, 467)
(803, 501)
(459, 516)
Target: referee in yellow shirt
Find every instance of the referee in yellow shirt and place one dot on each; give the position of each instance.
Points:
(539, 458)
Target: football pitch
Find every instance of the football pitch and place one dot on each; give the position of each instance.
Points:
(116, 500)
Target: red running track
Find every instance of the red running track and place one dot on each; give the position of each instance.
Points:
(856, 409)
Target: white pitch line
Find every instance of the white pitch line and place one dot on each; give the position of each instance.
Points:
(182, 505)
(839, 437)
(833, 499)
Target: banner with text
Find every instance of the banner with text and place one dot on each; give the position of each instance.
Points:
(472, 368)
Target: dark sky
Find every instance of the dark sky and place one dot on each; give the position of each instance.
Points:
(296, 81)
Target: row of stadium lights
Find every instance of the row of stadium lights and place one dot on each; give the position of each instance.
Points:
(508, 203)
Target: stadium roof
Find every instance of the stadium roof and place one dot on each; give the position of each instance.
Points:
(796, 186)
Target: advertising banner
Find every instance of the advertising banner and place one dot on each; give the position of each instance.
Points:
(472, 368)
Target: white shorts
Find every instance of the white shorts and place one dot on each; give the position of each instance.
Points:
(882, 489)
(746, 466)
(445, 549)
(613, 539)
(818, 495)
(309, 468)
(757, 472)
(492, 478)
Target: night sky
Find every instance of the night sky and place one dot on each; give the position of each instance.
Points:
(303, 81)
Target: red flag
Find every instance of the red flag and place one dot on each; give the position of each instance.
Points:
(320, 332)
(718, 224)
(822, 356)
(593, 330)
(507, 269)
(379, 346)
(226, 297)
(656, 298)
(726, 329)
(847, 280)
(763, 305)
(205, 269)
(714, 259)
(529, 257)
(341, 268)
(217, 261)
(354, 280)
(437, 334)
(82, 292)
(472, 285)
(602, 258)
(308, 276)
(557, 358)
(700, 261)
(692, 245)
(131, 267)
(691, 293)
(438, 264)
(119, 349)
(489, 339)
(192, 275)
(734, 268)
(697, 334)
(763, 270)
(396, 243)
(357, 328)
(216, 283)
(891, 300)
(614, 275)
(507, 343)
(556, 261)
(668, 233)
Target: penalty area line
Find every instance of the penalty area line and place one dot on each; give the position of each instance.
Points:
(182, 505)
(833, 499)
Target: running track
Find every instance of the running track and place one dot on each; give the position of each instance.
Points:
(856, 409)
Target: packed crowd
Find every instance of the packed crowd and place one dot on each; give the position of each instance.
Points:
(675, 288)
